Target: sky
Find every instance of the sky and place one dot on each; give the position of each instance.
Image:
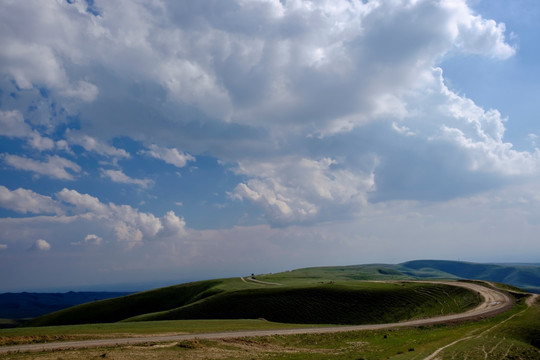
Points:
(157, 141)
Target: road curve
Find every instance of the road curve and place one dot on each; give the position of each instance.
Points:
(495, 302)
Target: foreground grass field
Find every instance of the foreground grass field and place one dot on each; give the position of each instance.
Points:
(28, 335)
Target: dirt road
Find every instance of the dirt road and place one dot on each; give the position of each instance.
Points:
(495, 302)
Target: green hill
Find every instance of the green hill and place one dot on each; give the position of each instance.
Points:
(338, 303)
(112, 310)
(323, 295)
(317, 296)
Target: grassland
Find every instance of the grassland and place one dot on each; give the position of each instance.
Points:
(337, 303)
(304, 298)
(29, 335)
(512, 335)
(299, 299)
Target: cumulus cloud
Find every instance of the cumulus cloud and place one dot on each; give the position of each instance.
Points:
(41, 245)
(12, 124)
(170, 156)
(41, 143)
(81, 202)
(26, 201)
(129, 225)
(299, 189)
(319, 106)
(93, 239)
(476, 134)
(480, 36)
(119, 177)
(91, 144)
(34, 51)
(286, 56)
(173, 225)
(54, 166)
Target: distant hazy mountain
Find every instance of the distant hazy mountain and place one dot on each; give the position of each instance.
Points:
(29, 305)
(525, 276)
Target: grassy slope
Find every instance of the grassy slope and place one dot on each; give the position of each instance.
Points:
(338, 303)
(112, 310)
(332, 295)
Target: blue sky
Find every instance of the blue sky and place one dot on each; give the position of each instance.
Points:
(165, 141)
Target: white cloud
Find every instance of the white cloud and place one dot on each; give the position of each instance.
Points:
(42, 37)
(173, 225)
(82, 202)
(128, 224)
(119, 177)
(480, 36)
(41, 245)
(170, 156)
(91, 144)
(31, 64)
(41, 143)
(93, 239)
(269, 67)
(3, 247)
(54, 167)
(311, 102)
(26, 201)
(299, 189)
(244, 71)
(472, 129)
(12, 124)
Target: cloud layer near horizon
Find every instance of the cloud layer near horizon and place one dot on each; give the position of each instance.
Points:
(317, 111)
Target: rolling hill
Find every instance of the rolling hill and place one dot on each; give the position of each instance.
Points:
(325, 295)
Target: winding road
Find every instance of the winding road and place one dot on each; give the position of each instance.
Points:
(495, 302)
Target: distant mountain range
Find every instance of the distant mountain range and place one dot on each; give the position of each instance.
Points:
(28, 305)
(524, 276)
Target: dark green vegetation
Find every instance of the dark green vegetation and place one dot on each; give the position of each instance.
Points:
(301, 301)
(112, 310)
(513, 335)
(329, 304)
